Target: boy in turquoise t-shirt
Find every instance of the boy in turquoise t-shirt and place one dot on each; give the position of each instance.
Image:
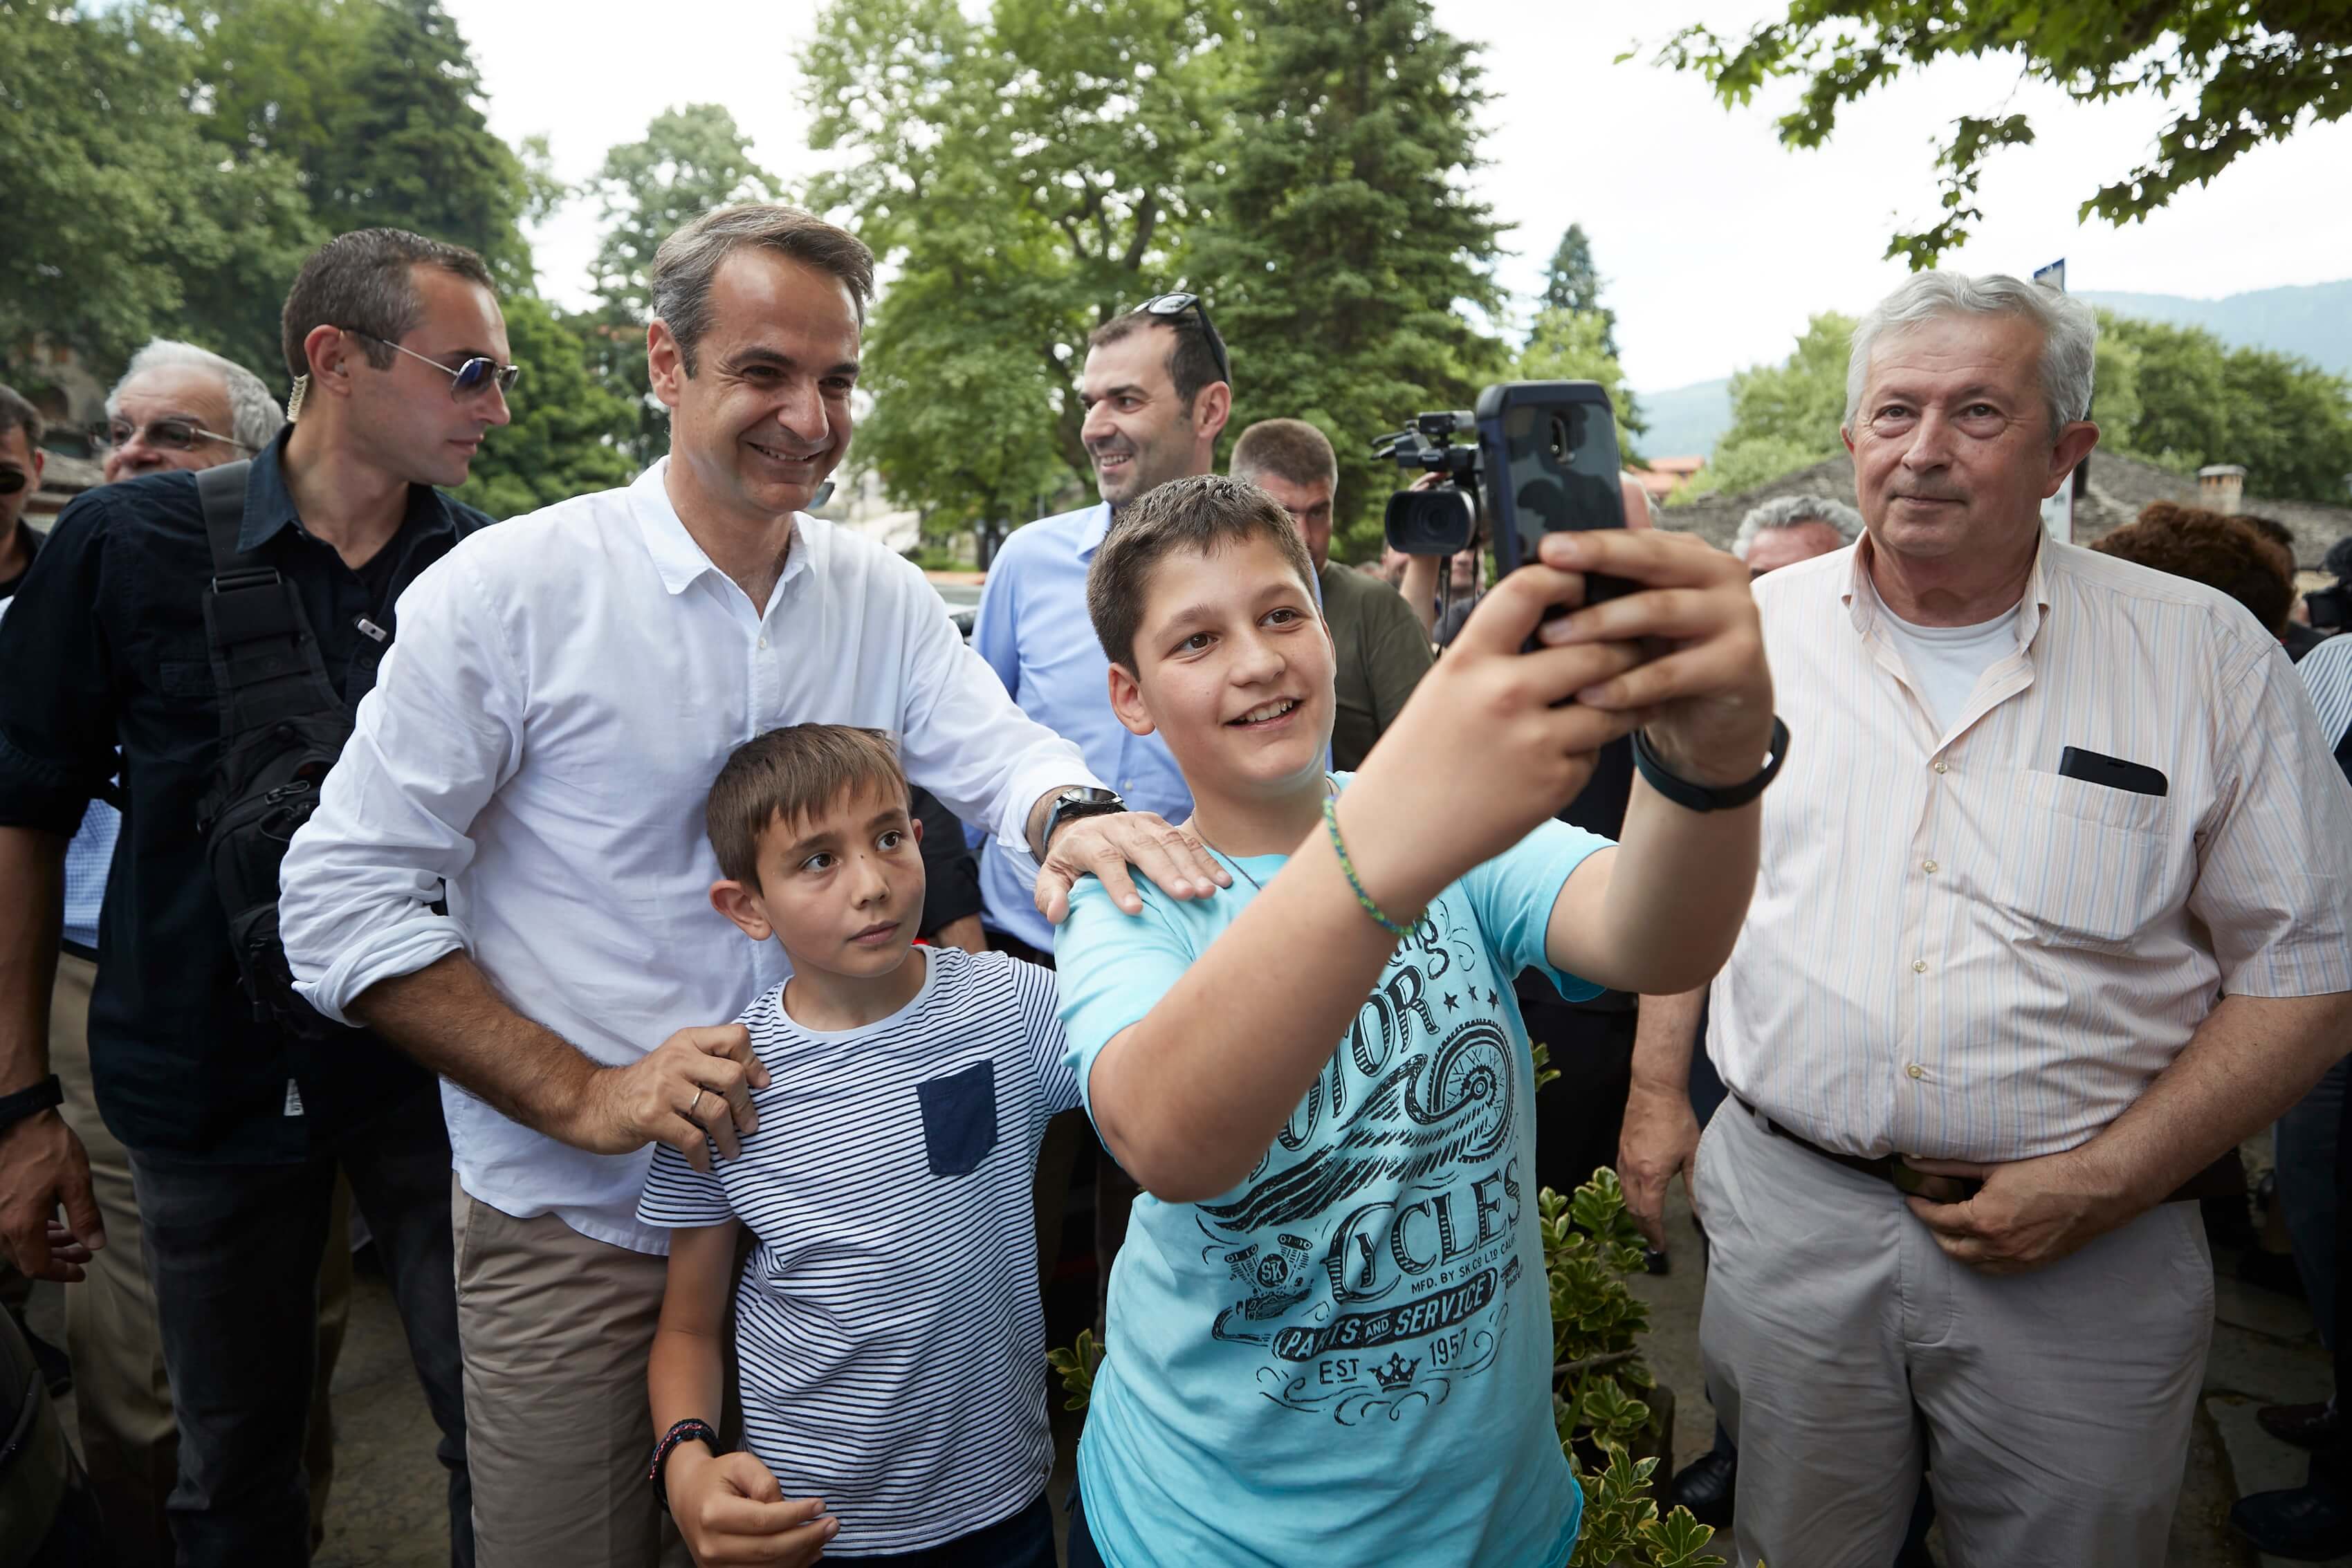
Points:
(1329, 1335)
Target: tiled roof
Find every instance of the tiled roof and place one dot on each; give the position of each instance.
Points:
(2118, 487)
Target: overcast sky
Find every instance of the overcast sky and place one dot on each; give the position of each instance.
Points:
(1716, 245)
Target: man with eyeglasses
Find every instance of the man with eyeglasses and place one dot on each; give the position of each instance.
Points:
(178, 406)
(238, 1127)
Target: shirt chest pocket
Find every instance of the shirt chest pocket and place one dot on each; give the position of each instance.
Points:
(959, 1119)
(2081, 864)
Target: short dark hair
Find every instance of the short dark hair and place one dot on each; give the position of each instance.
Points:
(1290, 450)
(1203, 513)
(365, 281)
(1190, 363)
(2209, 548)
(2338, 561)
(16, 412)
(791, 775)
(690, 258)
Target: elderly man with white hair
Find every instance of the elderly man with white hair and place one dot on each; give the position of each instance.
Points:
(178, 406)
(1789, 529)
(2051, 913)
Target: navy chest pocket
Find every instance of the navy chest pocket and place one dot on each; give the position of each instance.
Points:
(959, 1119)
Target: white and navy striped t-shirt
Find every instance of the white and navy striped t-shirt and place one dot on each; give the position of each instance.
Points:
(890, 1339)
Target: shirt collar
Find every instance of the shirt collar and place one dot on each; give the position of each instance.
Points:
(679, 559)
(269, 504)
(1863, 606)
(1096, 525)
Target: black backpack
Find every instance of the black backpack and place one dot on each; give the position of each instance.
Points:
(283, 725)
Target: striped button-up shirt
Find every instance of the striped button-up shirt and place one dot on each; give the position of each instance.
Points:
(1954, 951)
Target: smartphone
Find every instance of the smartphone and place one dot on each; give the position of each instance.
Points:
(1550, 451)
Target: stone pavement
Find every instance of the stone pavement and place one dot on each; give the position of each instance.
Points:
(386, 1512)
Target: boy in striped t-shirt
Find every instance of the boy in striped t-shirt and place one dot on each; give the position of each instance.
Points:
(887, 1329)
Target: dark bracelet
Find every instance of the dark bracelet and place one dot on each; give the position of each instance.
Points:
(1693, 796)
(46, 1095)
(686, 1431)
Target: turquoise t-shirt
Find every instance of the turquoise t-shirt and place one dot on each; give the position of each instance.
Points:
(1347, 1359)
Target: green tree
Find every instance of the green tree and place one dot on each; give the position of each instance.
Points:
(1345, 242)
(124, 222)
(1573, 345)
(1572, 283)
(2179, 397)
(1784, 417)
(2256, 73)
(690, 161)
(564, 441)
(1028, 174)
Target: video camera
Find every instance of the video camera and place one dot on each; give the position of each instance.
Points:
(1542, 458)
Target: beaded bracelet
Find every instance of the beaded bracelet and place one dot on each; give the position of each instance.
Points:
(1331, 825)
(686, 1431)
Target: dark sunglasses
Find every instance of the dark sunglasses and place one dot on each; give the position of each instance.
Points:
(474, 375)
(13, 480)
(1176, 304)
(179, 435)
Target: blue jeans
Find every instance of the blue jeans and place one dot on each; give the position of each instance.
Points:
(232, 1253)
(1082, 1542)
(2306, 1140)
(1023, 1540)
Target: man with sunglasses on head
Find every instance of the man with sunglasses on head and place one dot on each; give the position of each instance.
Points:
(239, 1119)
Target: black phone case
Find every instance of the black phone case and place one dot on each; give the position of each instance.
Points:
(2098, 767)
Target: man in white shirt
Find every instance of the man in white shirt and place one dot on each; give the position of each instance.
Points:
(537, 753)
(2051, 913)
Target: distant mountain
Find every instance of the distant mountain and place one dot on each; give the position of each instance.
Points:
(2313, 322)
(1685, 421)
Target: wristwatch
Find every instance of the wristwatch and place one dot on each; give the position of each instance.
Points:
(46, 1095)
(1077, 801)
(1693, 796)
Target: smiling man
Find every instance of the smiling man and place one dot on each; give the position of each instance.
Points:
(539, 755)
(2022, 962)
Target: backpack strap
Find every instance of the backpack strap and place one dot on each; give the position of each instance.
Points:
(266, 663)
(2344, 754)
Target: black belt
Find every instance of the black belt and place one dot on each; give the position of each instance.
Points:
(2225, 1177)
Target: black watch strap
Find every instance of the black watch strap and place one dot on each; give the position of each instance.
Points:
(1075, 803)
(1698, 797)
(46, 1095)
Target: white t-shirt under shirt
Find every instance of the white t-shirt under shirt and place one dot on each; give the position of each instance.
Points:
(1945, 661)
(890, 1341)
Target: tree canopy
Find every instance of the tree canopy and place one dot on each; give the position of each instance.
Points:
(2252, 74)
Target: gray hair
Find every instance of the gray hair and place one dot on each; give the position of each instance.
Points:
(1795, 511)
(254, 417)
(2070, 332)
(689, 259)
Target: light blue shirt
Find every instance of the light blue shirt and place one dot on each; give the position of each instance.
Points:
(1034, 631)
(1347, 1359)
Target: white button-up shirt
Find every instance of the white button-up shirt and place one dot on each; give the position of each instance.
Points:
(1954, 951)
(541, 740)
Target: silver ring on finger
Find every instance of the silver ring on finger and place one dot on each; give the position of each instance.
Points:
(692, 1105)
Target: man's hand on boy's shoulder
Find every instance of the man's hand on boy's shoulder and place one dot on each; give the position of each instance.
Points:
(1104, 847)
(1704, 690)
(730, 1510)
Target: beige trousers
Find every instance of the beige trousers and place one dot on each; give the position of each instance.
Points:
(130, 1443)
(1842, 1346)
(556, 1329)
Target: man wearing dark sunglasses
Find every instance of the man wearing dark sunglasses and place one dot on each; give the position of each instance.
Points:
(20, 475)
(238, 1121)
(178, 406)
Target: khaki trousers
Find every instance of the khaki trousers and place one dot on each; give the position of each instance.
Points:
(556, 1329)
(1842, 1346)
(130, 1443)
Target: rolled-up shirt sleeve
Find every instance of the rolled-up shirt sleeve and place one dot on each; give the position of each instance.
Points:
(432, 743)
(2275, 856)
(965, 739)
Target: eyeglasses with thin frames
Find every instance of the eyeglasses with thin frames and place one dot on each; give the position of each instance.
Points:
(467, 379)
(1176, 304)
(178, 434)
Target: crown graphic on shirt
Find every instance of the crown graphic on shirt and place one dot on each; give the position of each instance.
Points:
(1396, 1372)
